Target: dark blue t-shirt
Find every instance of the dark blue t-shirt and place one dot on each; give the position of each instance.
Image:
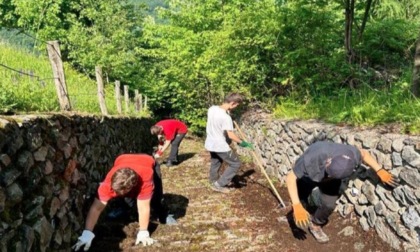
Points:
(312, 162)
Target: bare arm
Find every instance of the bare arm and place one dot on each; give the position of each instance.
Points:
(292, 187)
(384, 176)
(233, 136)
(94, 213)
(369, 160)
(143, 208)
(165, 145)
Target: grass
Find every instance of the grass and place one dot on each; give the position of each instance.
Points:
(22, 93)
(366, 107)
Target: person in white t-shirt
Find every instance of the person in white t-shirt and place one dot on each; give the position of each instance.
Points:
(220, 134)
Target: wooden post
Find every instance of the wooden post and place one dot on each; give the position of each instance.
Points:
(145, 102)
(101, 93)
(54, 54)
(141, 102)
(118, 96)
(136, 100)
(126, 98)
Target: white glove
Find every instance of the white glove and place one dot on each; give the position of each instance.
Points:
(158, 154)
(84, 240)
(144, 237)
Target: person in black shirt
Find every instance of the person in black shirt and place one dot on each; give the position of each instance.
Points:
(324, 165)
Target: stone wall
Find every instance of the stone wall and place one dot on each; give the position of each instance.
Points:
(50, 167)
(394, 214)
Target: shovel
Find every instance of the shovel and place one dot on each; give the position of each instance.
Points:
(259, 163)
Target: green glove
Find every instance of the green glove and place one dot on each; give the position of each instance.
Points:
(246, 145)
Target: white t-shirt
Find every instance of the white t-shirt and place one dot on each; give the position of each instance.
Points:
(218, 122)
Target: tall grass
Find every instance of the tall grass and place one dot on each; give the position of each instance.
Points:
(366, 107)
(23, 93)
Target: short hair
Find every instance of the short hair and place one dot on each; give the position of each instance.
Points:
(155, 130)
(233, 97)
(123, 180)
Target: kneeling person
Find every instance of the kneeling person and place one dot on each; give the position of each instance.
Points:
(324, 165)
(133, 175)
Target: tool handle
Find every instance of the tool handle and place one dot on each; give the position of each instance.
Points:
(259, 163)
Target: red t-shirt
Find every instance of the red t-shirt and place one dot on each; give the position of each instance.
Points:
(171, 127)
(142, 164)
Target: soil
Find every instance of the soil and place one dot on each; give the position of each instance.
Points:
(249, 218)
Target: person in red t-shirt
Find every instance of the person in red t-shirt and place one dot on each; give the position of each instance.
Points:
(173, 131)
(133, 175)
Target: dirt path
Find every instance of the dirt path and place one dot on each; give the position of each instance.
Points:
(248, 219)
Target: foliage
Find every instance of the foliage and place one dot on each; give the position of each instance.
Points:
(358, 107)
(387, 43)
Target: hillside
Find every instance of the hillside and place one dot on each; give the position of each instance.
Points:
(26, 84)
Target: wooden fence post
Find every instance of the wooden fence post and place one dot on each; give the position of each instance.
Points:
(126, 98)
(136, 100)
(54, 55)
(101, 93)
(141, 102)
(145, 102)
(118, 96)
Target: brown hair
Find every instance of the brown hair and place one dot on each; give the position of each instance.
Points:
(123, 180)
(233, 97)
(155, 130)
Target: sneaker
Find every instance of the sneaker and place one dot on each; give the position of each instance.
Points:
(318, 234)
(216, 187)
(170, 163)
(170, 220)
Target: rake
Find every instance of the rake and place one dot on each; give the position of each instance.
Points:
(259, 163)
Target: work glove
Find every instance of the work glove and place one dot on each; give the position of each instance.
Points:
(387, 178)
(300, 215)
(158, 154)
(144, 237)
(84, 240)
(246, 145)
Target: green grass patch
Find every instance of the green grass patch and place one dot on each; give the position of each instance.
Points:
(20, 92)
(365, 107)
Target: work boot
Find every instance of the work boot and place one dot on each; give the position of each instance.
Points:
(318, 234)
(216, 187)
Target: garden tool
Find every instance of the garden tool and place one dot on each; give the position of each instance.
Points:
(259, 163)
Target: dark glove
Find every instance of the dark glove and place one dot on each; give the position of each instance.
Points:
(246, 145)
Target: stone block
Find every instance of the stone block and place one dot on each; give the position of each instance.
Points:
(411, 156)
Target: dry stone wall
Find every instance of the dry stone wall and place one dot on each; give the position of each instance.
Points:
(394, 214)
(50, 167)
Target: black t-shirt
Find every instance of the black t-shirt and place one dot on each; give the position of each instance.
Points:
(312, 162)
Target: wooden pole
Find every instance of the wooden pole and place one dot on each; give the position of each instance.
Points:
(54, 55)
(118, 96)
(141, 102)
(136, 100)
(145, 102)
(126, 98)
(101, 93)
(259, 163)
